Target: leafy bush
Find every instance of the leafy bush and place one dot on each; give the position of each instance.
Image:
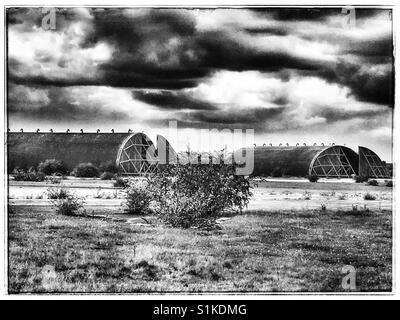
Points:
(369, 196)
(60, 193)
(138, 198)
(51, 166)
(69, 206)
(373, 182)
(19, 174)
(121, 182)
(54, 179)
(389, 183)
(194, 195)
(107, 175)
(30, 175)
(66, 203)
(360, 179)
(108, 166)
(312, 178)
(85, 170)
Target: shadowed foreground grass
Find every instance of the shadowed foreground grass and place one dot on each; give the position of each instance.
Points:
(256, 251)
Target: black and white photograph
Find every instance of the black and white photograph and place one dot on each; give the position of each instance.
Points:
(200, 150)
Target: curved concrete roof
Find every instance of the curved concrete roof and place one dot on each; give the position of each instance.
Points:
(289, 160)
(28, 149)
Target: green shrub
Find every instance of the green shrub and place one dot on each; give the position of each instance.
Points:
(58, 193)
(108, 166)
(107, 175)
(138, 198)
(30, 175)
(51, 166)
(121, 182)
(195, 195)
(360, 179)
(373, 182)
(85, 170)
(312, 178)
(369, 196)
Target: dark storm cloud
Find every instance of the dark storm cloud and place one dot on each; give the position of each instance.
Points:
(225, 52)
(165, 49)
(314, 14)
(371, 49)
(249, 117)
(298, 14)
(42, 80)
(334, 115)
(367, 86)
(153, 49)
(54, 104)
(192, 56)
(267, 31)
(172, 100)
(162, 49)
(365, 83)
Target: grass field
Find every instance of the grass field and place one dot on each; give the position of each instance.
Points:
(257, 251)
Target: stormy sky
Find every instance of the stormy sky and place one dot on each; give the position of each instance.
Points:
(292, 75)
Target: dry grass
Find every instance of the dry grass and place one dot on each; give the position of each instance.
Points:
(259, 251)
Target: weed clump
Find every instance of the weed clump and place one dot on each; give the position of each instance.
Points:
(58, 193)
(373, 182)
(69, 206)
(121, 182)
(65, 202)
(30, 175)
(369, 196)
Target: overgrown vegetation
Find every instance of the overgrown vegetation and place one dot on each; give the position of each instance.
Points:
(52, 166)
(369, 196)
(85, 170)
(372, 182)
(138, 198)
(58, 193)
(54, 179)
(195, 195)
(65, 202)
(389, 183)
(30, 175)
(260, 251)
(69, 206)
(121, 182)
